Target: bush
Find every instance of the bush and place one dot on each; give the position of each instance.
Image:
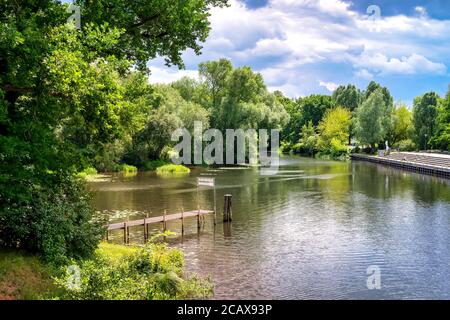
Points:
(173, 169)
(89, 171)
(126, 168)
(153, 272)
(406, 145)
(54, 220)
(154, 164)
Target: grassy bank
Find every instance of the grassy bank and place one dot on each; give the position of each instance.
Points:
(24, 276)
(116, 272)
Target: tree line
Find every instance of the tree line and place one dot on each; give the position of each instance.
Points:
(72, 99)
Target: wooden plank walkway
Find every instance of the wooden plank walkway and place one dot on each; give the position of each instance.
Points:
(150, 220)
(125, 226)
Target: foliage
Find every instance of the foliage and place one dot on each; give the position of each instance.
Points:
(441, 139)
(172, 169)
(308, 140)
(425, 112)
(369, 128)
(53, 219)
(152, 165)
(334, 132)
(153, 272)
(348, 97)
(402, 125)
(89, 171)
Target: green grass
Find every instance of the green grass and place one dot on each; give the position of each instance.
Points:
(115, 251)
(173, 169)
(24, 276)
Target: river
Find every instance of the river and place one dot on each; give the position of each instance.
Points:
(309, 232)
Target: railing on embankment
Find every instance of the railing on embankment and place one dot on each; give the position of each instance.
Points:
(408, 162)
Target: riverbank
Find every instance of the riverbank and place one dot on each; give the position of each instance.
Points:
(432, 164)
(115, 272)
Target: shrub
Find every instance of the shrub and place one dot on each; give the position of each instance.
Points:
(89, 171)
(406, 145)
(153, 272)
(54, 220)
(173, 169)
(126, 168)
(152, 165)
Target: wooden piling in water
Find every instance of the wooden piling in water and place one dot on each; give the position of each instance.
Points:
(198, 218)
(164, 220)
(227, 211)
(125, 227)
(182, 221)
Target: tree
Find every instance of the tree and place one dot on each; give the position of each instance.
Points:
(441, 139)
(314, 107)
(347, 96)
(308, 140)
(62, 99)
(369, 120)
(334, 131)
(425, 112)
(402, 124)
(152, 28)
(215, 76)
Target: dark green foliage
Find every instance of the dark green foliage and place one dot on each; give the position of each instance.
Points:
(425, 113)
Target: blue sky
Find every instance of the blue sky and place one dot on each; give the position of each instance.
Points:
(311, 46)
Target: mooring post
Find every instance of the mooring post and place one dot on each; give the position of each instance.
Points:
(125, 232)
(145, 230)
(164, 220)
(198, 218)
(227, 212)
(182, 220)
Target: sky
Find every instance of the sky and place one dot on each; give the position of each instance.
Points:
(303, 47)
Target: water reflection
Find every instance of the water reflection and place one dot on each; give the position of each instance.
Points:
(311, 231)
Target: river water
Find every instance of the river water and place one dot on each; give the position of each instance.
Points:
(309, 232)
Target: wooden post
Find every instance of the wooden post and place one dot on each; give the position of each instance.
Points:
(164, 220)
(145, 230)
(215, 209)
(198, 218)
(107, 234)
(227, 212)
(125, 233)
(182, 221)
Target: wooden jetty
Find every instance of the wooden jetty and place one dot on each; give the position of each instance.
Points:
(426, 163)
(145, 222)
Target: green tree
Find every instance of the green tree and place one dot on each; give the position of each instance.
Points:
(402, 124)
(215, 76)
(334, 131)
(425, 112)
(348, 96)
(152, 28)
(441, 139)
(62, 97)
(369, 129)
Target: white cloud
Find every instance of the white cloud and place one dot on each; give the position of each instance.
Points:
(413, 64)
(331, 86)
(364, 74)
(291, 38)
(167, 75)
